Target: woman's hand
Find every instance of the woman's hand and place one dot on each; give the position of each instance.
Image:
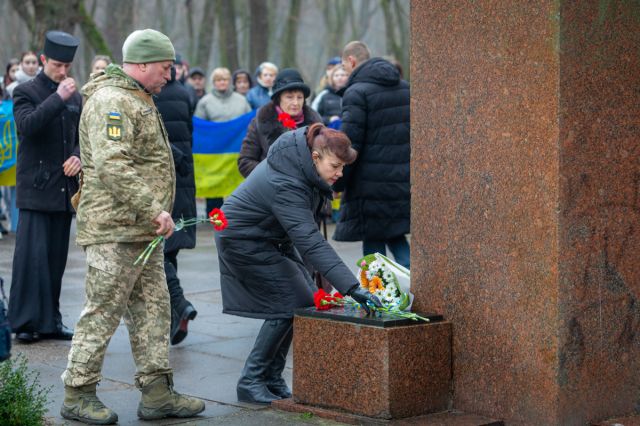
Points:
(362, 296)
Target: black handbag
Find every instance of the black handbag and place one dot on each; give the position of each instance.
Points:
(5, 329)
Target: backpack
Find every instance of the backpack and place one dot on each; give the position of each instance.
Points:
(5, 329)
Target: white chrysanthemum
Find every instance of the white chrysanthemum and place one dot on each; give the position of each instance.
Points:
(388, 296)
(370, 274)
(387, 275)
(374, 266)
(392, 287)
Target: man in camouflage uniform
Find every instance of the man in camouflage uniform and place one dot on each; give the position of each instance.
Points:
(127, 196)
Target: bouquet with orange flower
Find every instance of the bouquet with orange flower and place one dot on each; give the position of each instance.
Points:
(216, 218)
(386, 279)
(324, 301)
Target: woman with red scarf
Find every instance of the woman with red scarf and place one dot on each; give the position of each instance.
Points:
(286, 111)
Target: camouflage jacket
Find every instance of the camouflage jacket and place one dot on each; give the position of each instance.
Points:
(129, 176)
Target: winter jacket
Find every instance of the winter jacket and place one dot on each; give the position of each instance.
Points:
(21, 77)
(216, 106)
(328, 104)
(48, 132)
(174, 105)
(272, 226)
(376, 199)
(258, 96)
(263, 131)
(129, 175)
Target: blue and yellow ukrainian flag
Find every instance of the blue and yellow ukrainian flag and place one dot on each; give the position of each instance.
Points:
(216, 147)
(8, 145)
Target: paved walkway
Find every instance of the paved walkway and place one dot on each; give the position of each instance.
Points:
(206, 365)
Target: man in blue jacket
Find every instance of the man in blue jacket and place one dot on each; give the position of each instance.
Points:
(376, 200)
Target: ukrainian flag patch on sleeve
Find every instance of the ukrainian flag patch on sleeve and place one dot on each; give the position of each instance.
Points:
(114, 126)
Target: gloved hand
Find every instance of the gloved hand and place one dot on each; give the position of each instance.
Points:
(362, 296)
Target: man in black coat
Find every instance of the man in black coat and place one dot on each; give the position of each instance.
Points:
(176, 109)
(47, 112)
(376, 199)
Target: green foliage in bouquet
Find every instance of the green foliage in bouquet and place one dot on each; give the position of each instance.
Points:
(22, 399)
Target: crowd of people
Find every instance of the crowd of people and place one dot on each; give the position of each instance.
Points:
(119, 159)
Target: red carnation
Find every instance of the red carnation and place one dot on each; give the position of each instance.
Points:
(218, 219)
(286, 120)
(323, 300)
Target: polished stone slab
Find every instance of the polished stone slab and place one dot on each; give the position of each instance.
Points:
(360, 316)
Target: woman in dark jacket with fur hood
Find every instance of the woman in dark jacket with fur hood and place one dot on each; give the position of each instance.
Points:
(286, 111)
(272, 227)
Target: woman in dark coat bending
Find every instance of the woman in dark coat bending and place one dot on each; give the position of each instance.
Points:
(272, 227)
(289, 93)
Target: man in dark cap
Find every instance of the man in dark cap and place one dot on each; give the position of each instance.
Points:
(182, 68)
(196, 85)
(47, 111)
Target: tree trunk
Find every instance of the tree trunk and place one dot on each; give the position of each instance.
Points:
(392, 44)
(53, 14)
(258, 33)
(336, 16)
(290, 35)
(41, 16)
(120, 25)
(206, 35)
(402, 18)
(22, 9)
(361, 22)
(91, 33)
(87, 50)
(228, 35)
(191, 49)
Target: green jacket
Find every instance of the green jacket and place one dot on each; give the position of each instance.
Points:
(129, 176)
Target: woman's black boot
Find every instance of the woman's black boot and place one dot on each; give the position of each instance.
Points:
(252, 386)
(275, 382)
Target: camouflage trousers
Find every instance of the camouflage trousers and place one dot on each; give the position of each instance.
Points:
(116, 288)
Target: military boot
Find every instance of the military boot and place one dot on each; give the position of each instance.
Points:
(159, 400)
(82, 404)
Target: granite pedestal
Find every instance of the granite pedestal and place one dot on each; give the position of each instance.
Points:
(525, 127)
(371, 366)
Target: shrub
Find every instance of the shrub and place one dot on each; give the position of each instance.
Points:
(22, 399)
